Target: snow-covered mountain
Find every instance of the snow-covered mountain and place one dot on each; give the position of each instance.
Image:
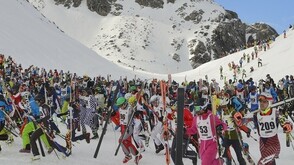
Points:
(31, 39)
(160, 36)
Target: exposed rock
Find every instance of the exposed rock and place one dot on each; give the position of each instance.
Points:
(69, 3)
(231, 15)
(259, 32)
(177, 57)
(151, 3)
(171, 1)
(195, 16)
(228, 36)
(200, 53)
(102, 7)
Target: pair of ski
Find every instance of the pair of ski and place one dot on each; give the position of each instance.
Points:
(163, 89)
(106, 120)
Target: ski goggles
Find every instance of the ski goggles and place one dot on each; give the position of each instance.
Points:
(198, 108)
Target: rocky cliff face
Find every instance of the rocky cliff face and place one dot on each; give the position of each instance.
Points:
(230, 34)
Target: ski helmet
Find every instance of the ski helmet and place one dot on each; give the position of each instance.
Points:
(132, 100)
(154, 98)
(128, 95)
(265, 97)
(225, 101)
(25, 95)
(133, 88)
(201, 104)
(120, 101)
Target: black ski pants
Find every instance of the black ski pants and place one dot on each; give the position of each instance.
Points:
(238, 150)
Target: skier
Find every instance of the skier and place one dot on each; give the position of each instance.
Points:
(252, 99)
(4, 135)
(269, 89)
(232, 136)
(187, 139)
(267, 125)
(41, 126)
(259, 62)
(125, 112)
(76, 113)
(240, 91)
(205, 124)
(139, 123)
(31, 108)
(100, 96)
(88, 112)
(157, 123)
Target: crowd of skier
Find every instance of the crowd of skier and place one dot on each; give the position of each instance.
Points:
(32, 100)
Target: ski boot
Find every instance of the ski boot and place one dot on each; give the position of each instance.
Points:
(137, 159)
(159, 148)
(50, 150)
(23, 150)
(127, 158)
(10, 139)
(95, 136)
(147, 141)
(36, 157)
(87, 137)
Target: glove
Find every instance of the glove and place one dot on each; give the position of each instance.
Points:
(238, 118)
(287, 127)
(219, 130)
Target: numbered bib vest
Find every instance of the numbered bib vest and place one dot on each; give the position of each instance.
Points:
(204, 128)
(124, 116)
(229, 121)
(50, 101)
(63, 92)
(253, 98)
(267, 90)
(87, 101)
(158, 111)
(267, 125)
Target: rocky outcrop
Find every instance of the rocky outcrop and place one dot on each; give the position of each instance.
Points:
(195, 16)
(259, 32)
(230, 35)
(102, 7)
(200, 53)
(69, 3)
(151, 3)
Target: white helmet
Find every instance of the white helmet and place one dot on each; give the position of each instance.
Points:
(25, 95)
(113, 88)
(128, 95)
(225, 101)
(266, 96)
(153, 98)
